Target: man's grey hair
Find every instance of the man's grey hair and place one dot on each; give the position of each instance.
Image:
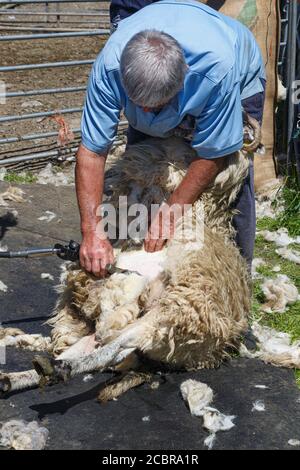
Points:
(153, 68)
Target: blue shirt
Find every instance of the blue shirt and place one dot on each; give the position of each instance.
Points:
(225, 67)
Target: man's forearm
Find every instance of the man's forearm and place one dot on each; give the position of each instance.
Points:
(96, 251)
(200, 175)
(89, 186)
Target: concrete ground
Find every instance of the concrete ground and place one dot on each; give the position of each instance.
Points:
(142, 418)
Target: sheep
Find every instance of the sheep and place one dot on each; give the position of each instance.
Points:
(185, 306)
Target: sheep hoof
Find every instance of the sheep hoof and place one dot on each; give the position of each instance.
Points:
(51, 370)
(43, 366)
(62, 371)
(5, 386)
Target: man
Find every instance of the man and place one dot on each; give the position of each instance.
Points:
(174, 68)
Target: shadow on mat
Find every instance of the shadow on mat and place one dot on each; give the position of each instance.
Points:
(64, 405)
(6, 221)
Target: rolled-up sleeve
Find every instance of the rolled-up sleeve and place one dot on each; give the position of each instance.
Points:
(101, 112)
(219, 127)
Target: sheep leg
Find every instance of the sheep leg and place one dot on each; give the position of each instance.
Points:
(18, 381)
(110, 354)
(31, 378)
(127, 382)
(19, 339)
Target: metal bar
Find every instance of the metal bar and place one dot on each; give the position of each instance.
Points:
(57, 12)
(37, 115)
(52, 29)
(30, 37)
(42, 155)
(21, 2)
(47, 10)
(39, 23)
(291, 76)
(9, 6)
(35, 156)
(45, 91)
(8, 140)
(41, 26)
(39, 148)
(35, 252)
(40, 13)
(74, 63)
(21, 138)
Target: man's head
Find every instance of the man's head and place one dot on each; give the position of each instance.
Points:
(152, 68)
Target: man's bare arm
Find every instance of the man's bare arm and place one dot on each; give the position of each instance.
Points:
(96, 251)
(200, 175)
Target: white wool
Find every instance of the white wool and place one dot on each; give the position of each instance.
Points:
(198, 396)
(31, 104)
(20, 435)
(155, 385)
(209, 441)
(3, 172)
(258, 406)
(47, 217)
(294, 443)
(3, 287)
(274, 347)
(257, 263)
(120, 290)
(270, 191)
(281, 91)
(88, 378)
(290, 255)
(271, 340)
(280, 237)
(49, 176)
(276, 269)
(47, 276)
(264, 209)
(280, 293)
(14, 212)
(12, 194)
(30, 342)
(265, 199)
(214, 421)
(149, 265)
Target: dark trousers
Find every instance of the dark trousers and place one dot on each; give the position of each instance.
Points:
(245, 221)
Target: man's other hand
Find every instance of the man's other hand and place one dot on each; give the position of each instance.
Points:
(162, 229)
(95, 254)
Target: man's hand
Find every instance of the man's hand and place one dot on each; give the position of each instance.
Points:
(161, 230)
(95, 254)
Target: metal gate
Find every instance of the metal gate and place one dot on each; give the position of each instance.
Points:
(288, 67)
(46, 52)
